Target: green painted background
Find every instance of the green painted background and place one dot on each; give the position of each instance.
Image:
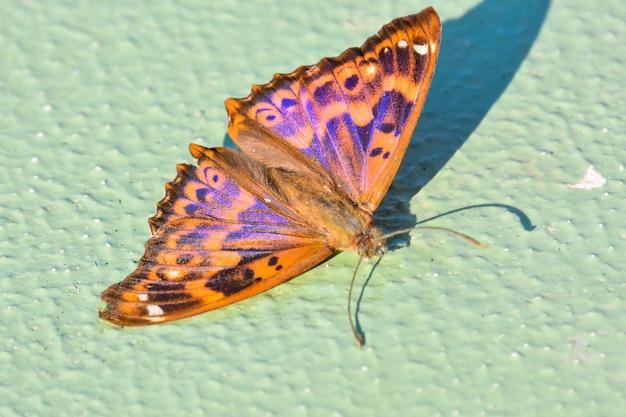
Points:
(98, 102)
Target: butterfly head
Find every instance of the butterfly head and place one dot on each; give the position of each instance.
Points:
(371, 243)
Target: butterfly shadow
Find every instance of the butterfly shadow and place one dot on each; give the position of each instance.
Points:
(479, 55)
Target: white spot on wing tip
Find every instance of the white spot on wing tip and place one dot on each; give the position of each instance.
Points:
(402, 43)
(421, 49)
(142, 297)
(154, 310)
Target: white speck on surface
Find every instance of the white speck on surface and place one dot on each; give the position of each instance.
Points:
(421, 49)
(592, 179)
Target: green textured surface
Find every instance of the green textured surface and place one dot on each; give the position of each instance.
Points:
(99, 102)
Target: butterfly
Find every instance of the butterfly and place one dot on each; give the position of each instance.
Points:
(319, 149)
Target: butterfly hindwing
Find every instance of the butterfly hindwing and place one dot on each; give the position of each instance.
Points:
(226, 186)
(215, 242)
(352, 115)
(191, 266)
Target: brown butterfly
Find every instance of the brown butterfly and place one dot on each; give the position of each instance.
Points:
(320, 147)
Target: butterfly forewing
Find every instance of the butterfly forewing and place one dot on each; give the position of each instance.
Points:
(354, 115)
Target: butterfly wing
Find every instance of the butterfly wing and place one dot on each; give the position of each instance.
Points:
(350, 117)
(220, 236)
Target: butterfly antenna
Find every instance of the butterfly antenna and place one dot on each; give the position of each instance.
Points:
(357, 334)
(468, 238)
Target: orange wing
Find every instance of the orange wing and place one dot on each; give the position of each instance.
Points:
(350, 117)
(221, 235)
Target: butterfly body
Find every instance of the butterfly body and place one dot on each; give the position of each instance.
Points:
(319, 149)
(327, 209)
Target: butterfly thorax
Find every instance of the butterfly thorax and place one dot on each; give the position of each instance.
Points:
(343, 223)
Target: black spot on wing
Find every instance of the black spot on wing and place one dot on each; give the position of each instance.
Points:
(179, 306)
(163, 287)
(403, 58)
(324, 94)
(375, 152)
(419, 69)
(191, 239)
(230, 281)
(184, 259)
(365, 134)
(387, 127)
(273, 261)
(386, 59)
(161, 274)
(251, 256)
(287, 103)
(164, 292)
(351, 82)
(191, 209)
(201, 194)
